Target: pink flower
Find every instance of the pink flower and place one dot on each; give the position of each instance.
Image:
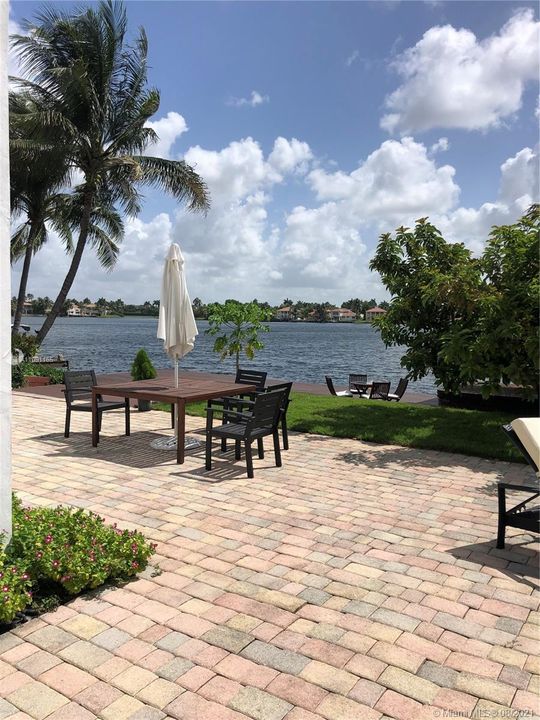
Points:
(48, 539)
(5, 588)
(39, 555)
(25, 576)
(134, 564)
(55, 563)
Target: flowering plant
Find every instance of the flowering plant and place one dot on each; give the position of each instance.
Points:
(15, 586)
(72, 548)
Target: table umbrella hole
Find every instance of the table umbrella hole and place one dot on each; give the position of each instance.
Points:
(169, 443)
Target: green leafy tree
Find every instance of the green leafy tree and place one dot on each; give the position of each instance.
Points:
(142, 368)
(91, 86)
(434, 285)
(320, 310)
(199, 308)
(236, 327)
(462, 318)
(501, 345)
(36, 178)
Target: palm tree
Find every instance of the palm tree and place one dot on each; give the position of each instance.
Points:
(92, 87)
(35, 177)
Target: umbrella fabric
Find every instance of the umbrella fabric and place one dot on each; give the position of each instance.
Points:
(176, 324)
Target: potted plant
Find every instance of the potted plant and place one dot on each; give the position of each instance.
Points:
(142, 369)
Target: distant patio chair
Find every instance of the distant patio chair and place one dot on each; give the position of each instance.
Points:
(357, 380)
(400, 390)
(79, 385)
(262, 420)
(333, 391)
(378, 391)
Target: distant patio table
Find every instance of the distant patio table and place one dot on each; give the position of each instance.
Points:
(190, 390)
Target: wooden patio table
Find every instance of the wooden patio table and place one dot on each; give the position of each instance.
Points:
(189, 389)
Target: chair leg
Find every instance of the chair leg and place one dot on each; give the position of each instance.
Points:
(277, 451)
(208, 451)
(127, 416)
(237, 450)
(260, 448)
(501, 531)
(249, 459)
(100, 420)
(172, 416)
(68, 421)
(285, 432)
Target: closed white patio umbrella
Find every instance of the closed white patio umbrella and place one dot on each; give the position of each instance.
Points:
(176, 325)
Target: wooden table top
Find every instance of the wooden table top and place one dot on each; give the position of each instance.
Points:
(189, 389)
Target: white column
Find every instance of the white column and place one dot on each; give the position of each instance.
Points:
(5, 285)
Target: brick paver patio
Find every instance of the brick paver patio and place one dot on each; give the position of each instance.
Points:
(357, 582)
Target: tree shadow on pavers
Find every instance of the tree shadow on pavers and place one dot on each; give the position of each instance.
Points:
(518, 561)
(423, 427)
(404, 458)
(133, 451)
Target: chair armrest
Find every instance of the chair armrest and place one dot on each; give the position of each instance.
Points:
(238, 415)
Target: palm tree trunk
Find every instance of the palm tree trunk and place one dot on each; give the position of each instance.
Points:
(24, 280)
(72, 272)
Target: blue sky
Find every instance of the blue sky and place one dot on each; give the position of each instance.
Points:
(348, 81)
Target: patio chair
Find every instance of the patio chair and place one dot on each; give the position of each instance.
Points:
(378, 391)
(356, 380)
(400, 390)
(286, 387)
(333, 391)
(262, 420)
(79, 385)
(524, 433)
(243, 377)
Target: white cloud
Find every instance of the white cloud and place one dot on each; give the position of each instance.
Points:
(352, 58)
(290, 156)
(318, 250)
(453, 80)
(518, 189)
(256, 98)
(396, 180)
(168, 129)
(441, 145)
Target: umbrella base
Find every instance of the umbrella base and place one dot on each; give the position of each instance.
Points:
(169, 443)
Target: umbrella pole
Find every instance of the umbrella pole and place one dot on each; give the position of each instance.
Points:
(176, 372)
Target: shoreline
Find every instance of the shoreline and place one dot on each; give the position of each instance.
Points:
(167, 375)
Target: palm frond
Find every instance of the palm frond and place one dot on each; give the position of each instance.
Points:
(176, 178)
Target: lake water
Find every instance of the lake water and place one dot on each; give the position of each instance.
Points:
(304, 352)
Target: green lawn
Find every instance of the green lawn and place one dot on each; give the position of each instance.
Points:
(471, 432)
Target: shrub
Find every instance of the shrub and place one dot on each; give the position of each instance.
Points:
(27, 344)
(73, 549)
(142, 368)
(25, 369)
(15, 585)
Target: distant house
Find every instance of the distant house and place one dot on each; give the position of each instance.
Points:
(284, 313)
(74, 311)
(90, 310)
(374, 312)
(27, 307)
(336, 314)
